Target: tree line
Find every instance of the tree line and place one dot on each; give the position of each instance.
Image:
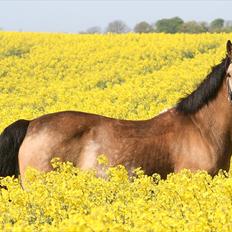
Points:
(166, 25)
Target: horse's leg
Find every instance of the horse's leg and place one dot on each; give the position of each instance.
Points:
(35, 152)
(39, 149)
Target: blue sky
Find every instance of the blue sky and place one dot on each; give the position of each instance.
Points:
(74, 16)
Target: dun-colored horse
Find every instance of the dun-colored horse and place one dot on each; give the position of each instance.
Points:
(196, 134)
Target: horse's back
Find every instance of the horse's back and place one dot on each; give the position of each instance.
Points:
(63, 122)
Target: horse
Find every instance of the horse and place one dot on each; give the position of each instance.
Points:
(195, 134)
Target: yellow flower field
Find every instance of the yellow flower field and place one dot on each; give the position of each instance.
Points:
(128, 76)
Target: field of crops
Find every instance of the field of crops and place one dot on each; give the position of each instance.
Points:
(127, 76)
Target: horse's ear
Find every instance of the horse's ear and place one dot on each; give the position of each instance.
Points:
(229, 48)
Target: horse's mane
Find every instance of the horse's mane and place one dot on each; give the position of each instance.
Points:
(206, 91)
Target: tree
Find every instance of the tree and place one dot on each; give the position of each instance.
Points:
(217, 25)
(204, 26)
(117, 26)
(193, 27)
(228, 26)
(143, 27)
(94, 30)
(171, 25)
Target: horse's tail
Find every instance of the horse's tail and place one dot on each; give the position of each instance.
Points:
(10, 142)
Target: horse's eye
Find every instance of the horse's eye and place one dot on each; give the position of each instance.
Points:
(228, 75)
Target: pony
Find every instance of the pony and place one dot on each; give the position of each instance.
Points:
(196, 134)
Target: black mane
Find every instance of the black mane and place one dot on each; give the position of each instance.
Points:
(206, 91)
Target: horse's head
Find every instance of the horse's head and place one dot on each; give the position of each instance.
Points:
(229, 69)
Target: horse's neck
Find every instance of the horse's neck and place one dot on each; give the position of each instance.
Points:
(215, 118)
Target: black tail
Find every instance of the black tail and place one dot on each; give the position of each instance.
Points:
(10, 142)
